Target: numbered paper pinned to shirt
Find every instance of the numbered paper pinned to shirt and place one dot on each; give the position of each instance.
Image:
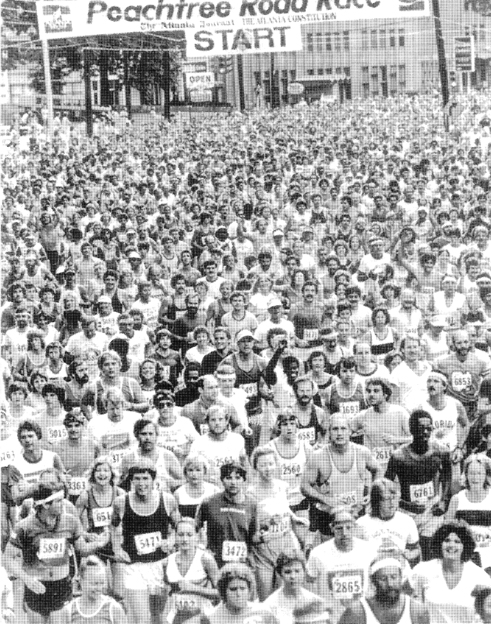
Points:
(148, 543)
(234, 551)
(51, 548)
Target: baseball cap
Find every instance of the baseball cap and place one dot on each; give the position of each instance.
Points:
(243, 333)
(274, 303)
(134, 254)
(278, 233)
(104, 299)
(438, 320)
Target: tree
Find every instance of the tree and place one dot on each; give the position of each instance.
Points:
(146, 62)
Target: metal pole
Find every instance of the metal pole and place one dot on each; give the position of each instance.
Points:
(240, 76)
(49, 88)
(88, 94)
(440, 47)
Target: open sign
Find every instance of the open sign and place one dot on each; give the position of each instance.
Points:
(200, 80)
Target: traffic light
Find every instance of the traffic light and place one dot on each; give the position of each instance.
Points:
(225, 64)
(452, 78)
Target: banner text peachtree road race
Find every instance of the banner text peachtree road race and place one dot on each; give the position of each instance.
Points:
(83, 18)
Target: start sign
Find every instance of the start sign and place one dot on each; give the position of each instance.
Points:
(200, 81)
(227, 41)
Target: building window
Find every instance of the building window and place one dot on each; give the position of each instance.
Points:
(402, 38)
(364, 73)
(257, 77)
(293, 75)
(310, 72)
(392, 38)
(364, 39)
(383, 39)
(374, 39)
(328, 71)
(482, 30)
(347, 72)
(366, 91)
(310, 42)
(320, 71)
(337, 41)
(346, 39)
(328, 42)
(320, 37)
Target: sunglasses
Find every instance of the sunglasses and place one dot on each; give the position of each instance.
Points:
(165, 403)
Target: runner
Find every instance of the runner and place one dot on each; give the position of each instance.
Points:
(143, 524)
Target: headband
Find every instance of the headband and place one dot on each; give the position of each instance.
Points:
(385, 563)
(439, 376)
(58, 495)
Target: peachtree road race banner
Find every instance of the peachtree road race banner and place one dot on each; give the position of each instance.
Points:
(83, 18)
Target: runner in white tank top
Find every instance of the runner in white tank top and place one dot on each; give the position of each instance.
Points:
(370, 617)
(388, 604)
(93, 607)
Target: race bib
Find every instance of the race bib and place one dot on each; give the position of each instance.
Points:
(482, 536)
(220, 461)
(7, 457)
(116, 457)
(51, 548)
(347, 586)
(349, 498)
(349, 408)
(56, 434)
(279, 527)
(461, 381)
(307, 434)
(311, 334)
(250, 389)
(102, 516)
(382, 453)
(186, 602)
(234, 551)
(290, 470)
(148, 543)
(254, 420)
(76, 485)
(422, 492)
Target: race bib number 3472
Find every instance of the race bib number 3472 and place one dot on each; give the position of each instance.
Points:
(234, 551)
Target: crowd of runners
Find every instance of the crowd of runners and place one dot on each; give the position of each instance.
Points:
(245, 373)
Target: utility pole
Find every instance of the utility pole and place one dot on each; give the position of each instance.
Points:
(440, 47)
